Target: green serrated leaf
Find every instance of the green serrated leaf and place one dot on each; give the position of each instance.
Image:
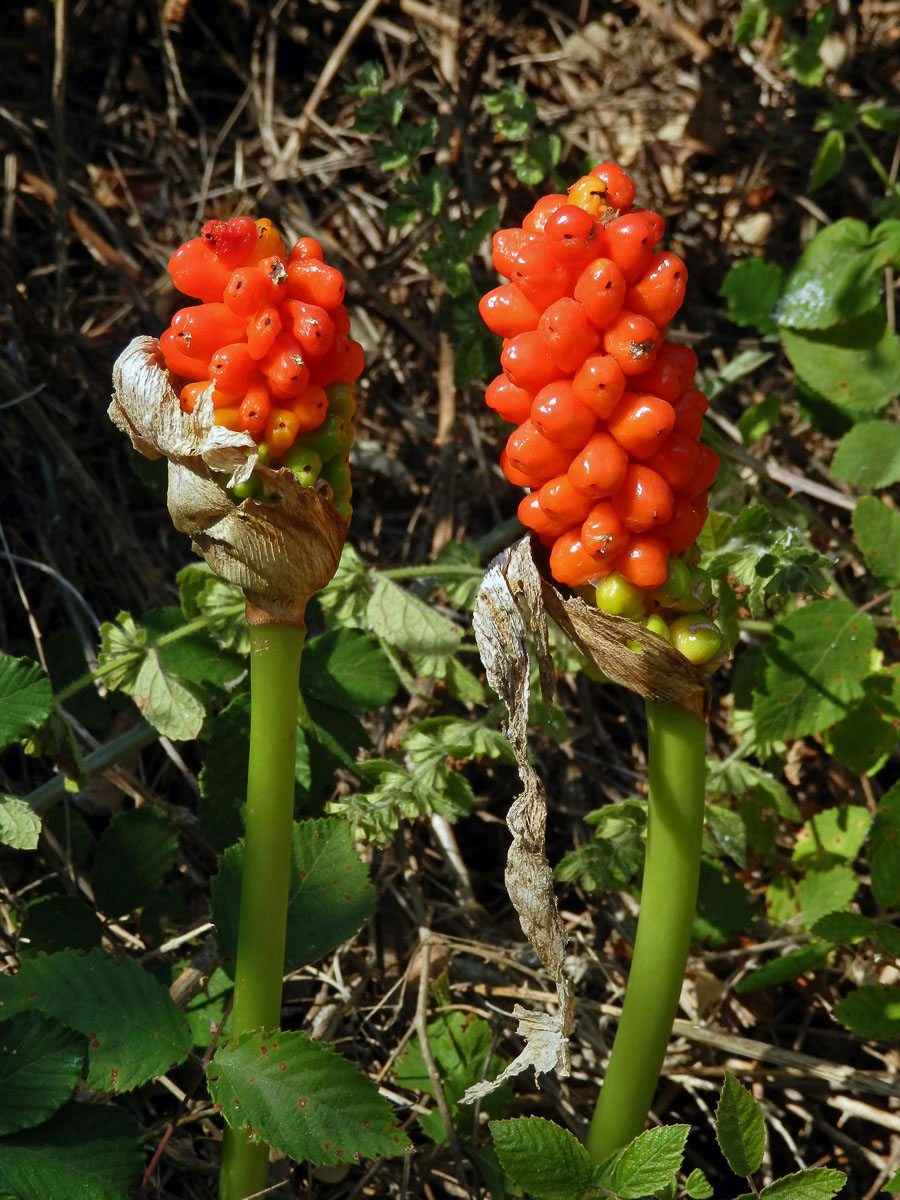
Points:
(846, 927)
(866, 736)
(195, 658)
(836, 278)
(729, 832)
(884, 863)
(855, 366)
(542, 1158)
(26, 698)
(645, 1165)
(168, 704)
(813, 669)
(84, 1152)
(20, 826)
(789, 966)
(737, 777)
(223, 776)
(330, 894)
(697, 1186)
(822, 892)
(40, 1064)
(405, 621)
(740, 1129)
(869, 455)
(889, 936)
(872, 1011)
(134, 855)
(829, 159)
(302, 1098)
(877, 529)
(752, 289)
(615, 854)
(724, 906)
(222, 604)
(831, 836)
(817, 1183)
(348, 669)
(54, 923)
(462, 684)
(134, 1029)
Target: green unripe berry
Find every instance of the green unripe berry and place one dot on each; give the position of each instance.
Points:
(336, 472)
(698, 594)
(345, 508)
(677, 584)
(616, 596)
(658, 625)
(698, 638)
(332, 437)
(304, 462)
(264, 455)
(248, 490)
(341, 400)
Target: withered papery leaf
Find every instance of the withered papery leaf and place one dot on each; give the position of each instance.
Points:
(281, 551)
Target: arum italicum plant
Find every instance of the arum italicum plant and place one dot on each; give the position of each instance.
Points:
(249, 396)
(607, 442)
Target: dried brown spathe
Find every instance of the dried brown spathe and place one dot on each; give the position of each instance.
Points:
(281, 551)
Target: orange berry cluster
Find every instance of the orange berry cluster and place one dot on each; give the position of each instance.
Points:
(271, 337)
(608, 418)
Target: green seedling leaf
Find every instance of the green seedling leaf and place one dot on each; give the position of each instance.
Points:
(615, 854)
(836, 278)
(831, 836)
(869, 455)
(302, 1098)
(751, 24)
(697, 1186)
(871, 1011)
(134, 855)
(880, 117)
(54, 923)
(26, 698)
(741, 778)
(405, 621)
(829, 159)
(222, 604)
(818, 1183)
(789, 966)
(461, 1047)
(543, 1158)
(40, 1064)
(330, 894)
(889, 936)
(344, 600)
(877, 530)
(822, 892)
(855, 366)
(845, 927)
(134, 1029)
(752, 289)
(348, 669)
(756, 421)
(85, 1151)
(646, 1165)
(740, 1129)
(812, 669)
(728, 832)
(20, 826)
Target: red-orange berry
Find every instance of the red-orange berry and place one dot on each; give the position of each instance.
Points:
(507, 311)
(284, 367)
(255, 408)
(633, 341)
(526, 362)
(567, 333)
(312, 326)
(269, 243)
(684, 525)
(571, 564)
(655, 222)
(233, 368)
(644, 561)
(310, 407)
(179, 361)
(601, 289)
(535, 455)
(247, 289)
(562, 503)
(599, 470)
(197, 271)
(603, 533)
(630, 243)
(704, 472)
(514, 475)
(620, 190)
(537, 219)
(645, 500)
(641, 423)
(202, 328)
(560, 415)
(262, 330)
(573, 236)
(689, 408)
(509, 402)
(533, 517)
(660, 290)
(231, 241)
(600, 384)
(676, 460)
(311, 280)
(506, 246)
(540, 276)
(306, 247)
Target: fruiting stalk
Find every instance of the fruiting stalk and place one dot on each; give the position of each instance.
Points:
(275, 652)
(677, 759)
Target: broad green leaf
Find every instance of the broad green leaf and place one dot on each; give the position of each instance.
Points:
(464, 572)
(846, 927)
(752, 289)
(543, 1158)
(822, 892)
(879, 116)
(869, 455)
(205, 594)
(872, 1011)
(836, 278)
(884, 863)
(829, 159)
(615, 854)
(123, 644)
(813, 669)
(302, 1098)
(645, 1165)
(408, 623)
(134, 855)
(738, 777)
(165, 701)
(206, 1009)
(789, 966)
(20, 826)
(697, 1186)
(462, 684)
(330, 894)
(84, 1152)
(832, 835)
(134, 1029)
(223, 776)
(889, 936)
(348, 669)
(728, 831)
(855, 366)
(818, 1183)
(26, 698)
(724, 906)
(740, 1129)
(877, 530)
(344, 600)
(54, 923)
(756, 421)
(893, 1184)
(40, 1064)
(195, 658)
(870, 731)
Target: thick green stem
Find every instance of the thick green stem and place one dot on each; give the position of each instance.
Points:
(676, 752)
(259, 965)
